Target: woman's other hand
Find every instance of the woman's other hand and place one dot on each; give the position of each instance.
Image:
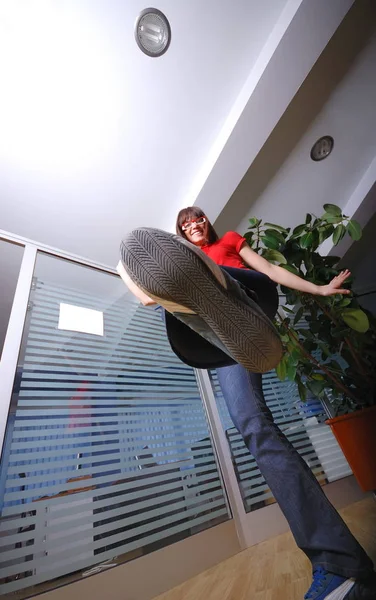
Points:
(335, 286)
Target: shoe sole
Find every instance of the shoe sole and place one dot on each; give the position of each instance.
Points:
(341, 593)
(183, 279)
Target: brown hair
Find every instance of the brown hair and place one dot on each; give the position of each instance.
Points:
(192, 212)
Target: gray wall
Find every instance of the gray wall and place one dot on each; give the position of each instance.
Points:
(337, 98)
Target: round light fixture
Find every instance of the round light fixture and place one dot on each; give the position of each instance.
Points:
(152, 32)
(322, 148)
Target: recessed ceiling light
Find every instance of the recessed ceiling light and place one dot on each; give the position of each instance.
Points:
(152, 32)
(322, 148)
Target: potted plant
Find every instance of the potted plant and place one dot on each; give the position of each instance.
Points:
(329, 342)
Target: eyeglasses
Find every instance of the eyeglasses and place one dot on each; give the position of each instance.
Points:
(189, 225)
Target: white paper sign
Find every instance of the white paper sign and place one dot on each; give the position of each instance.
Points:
(79, 318)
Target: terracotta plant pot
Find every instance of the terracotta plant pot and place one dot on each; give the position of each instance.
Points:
(356, 435)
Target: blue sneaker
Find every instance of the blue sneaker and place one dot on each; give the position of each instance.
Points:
(329, 586)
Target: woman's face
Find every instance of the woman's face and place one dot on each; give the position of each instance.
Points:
(196, 230)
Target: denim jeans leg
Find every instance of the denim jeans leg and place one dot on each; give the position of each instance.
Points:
(317, 527)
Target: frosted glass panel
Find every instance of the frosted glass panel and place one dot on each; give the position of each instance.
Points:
(108, 453)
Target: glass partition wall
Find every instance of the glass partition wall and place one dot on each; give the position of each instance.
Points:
(112, 447)
(107, 454)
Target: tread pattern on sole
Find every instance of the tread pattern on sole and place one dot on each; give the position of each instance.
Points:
(160, 264)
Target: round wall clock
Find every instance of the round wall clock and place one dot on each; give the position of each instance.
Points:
(322, 148)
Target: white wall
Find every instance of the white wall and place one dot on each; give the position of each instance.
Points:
(337, 98)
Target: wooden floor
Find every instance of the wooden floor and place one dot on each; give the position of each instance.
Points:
(272, 570)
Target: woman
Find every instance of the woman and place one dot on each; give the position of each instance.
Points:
(341, 568)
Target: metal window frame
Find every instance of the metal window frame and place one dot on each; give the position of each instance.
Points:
(13, 336)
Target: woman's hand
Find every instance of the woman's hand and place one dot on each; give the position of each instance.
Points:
(335, 286)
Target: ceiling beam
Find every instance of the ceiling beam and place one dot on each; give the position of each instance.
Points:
(296, 42)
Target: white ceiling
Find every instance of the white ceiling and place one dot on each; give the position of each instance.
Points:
(97, 138)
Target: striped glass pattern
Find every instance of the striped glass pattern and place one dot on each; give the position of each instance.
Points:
(108, 455)
(302, 423)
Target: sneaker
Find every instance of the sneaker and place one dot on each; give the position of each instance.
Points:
(188, 284)
(329, 586)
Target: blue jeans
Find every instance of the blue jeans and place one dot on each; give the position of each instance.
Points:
(315, 524)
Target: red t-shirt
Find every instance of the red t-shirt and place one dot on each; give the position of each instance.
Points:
(225, 251)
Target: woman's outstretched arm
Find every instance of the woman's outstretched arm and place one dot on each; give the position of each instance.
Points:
(284, 277)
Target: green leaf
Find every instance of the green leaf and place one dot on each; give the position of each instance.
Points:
(354, 230)
(302, 391)
(316, 387)
(270, 242)
(335, 220)
(298, 315)
(274, 256)
(298, 230)
(291, 372)
(325, 232)
(338, 234)
(306, 240)
(331, 218)
(295, 356)
(330, 261)
(288, 309)
(356, 319)
(333, 209)
(278, 227)
(275, 234)
(291, 296)
(281, 370)
(308, 218)
(253, 222)
(318, 377)
(315, 239)
(326, 274)
(344, 302)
